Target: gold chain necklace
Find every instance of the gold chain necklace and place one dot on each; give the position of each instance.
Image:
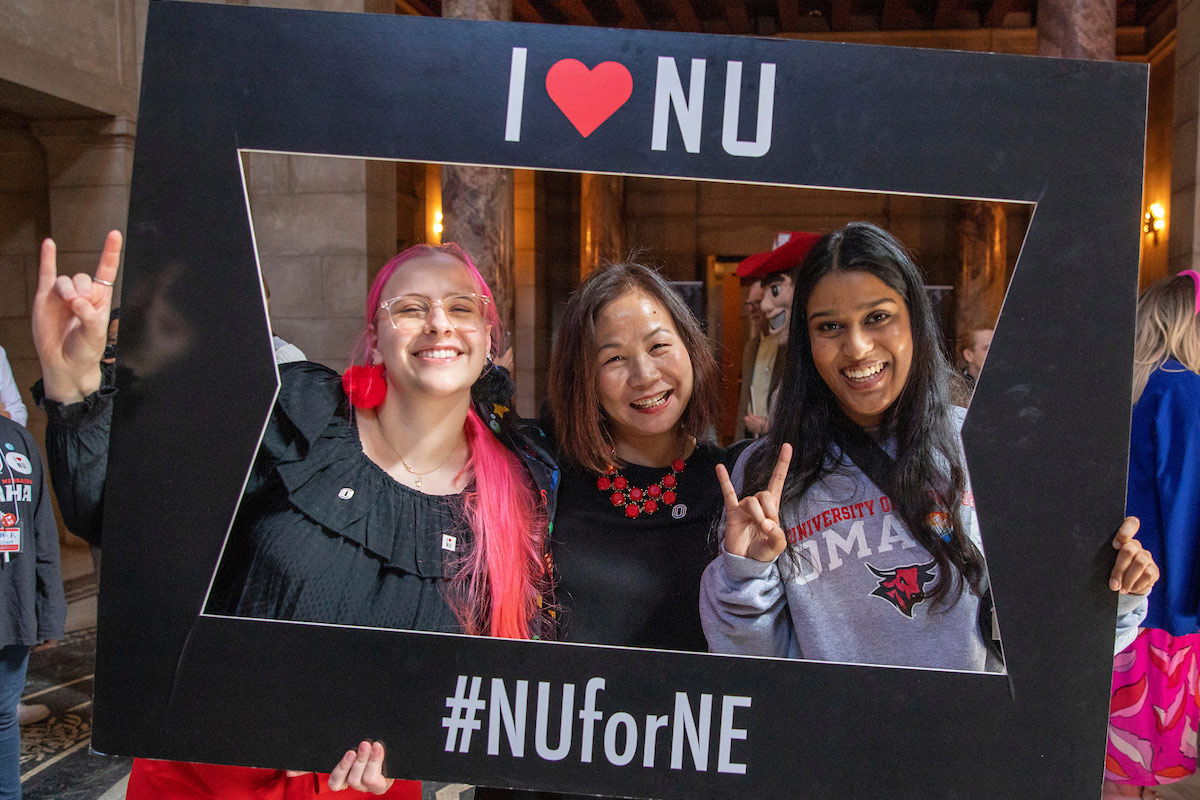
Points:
(411, 471)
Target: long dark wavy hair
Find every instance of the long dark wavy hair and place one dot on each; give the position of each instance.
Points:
(929, 464)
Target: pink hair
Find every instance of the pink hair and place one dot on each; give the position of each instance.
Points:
(502, 578)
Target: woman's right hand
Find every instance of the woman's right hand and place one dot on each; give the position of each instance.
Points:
(757, 424)
(752, 528)
(361, 770)
(70, 322)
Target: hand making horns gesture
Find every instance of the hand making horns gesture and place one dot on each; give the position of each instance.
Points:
(70, 322)
(752, 528)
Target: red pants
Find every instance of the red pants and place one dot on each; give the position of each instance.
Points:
(180, 780)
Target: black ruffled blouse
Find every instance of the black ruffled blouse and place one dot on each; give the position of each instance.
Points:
(325, 535)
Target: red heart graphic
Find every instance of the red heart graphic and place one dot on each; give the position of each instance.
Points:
(588, 96)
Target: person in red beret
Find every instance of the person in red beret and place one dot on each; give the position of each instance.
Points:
(773, 270)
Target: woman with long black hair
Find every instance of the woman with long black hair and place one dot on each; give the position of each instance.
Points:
(862, 483)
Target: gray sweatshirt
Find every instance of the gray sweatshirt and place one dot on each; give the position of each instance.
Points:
(857, 595)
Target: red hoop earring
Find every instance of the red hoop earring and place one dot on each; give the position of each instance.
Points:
(365, 385)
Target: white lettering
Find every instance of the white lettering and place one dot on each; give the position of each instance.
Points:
(689, 109)
(514, 721)
(697, 735)
(564, 728)
(810, 564)
(590, 717)
(653, 723)
(834, 543)
(733, 102)
(728, 733)
(516, 95)
(893, 533)
(610, 739)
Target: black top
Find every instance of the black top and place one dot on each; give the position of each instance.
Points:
(77, 454)
(328, 536)
(636, 582)
(322, 533)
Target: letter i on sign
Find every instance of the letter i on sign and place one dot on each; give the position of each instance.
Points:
(516, 94)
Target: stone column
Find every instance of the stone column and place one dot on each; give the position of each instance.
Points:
(529, 318)
(88, 168)
(477, 202)
(89, 165)
(477, 214)
(1184, 212)
(601, 220)
(1077, 29)
(323, 227)
(23, 224)
(983, 233)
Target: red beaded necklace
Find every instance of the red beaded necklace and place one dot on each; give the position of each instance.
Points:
(636, 500)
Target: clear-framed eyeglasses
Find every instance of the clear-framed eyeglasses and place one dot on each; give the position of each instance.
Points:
(408, 312)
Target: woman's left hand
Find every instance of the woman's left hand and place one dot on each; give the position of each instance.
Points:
(361, 770)
(1135, 571)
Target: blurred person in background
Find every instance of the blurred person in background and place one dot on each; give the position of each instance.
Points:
(756, 340)
(31, 588)
(973, 346)
(1153, 722)
(772, 270)
(11, 405)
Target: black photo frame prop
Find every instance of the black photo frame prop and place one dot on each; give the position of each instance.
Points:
(1047, 449)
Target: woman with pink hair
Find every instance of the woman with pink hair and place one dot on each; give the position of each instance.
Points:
(385, 497)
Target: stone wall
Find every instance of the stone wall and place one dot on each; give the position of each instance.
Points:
(677, 224)
(70, 58)
(24, 222)
(1157, 180)
(323, 226)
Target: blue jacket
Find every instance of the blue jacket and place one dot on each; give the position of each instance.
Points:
(1164, 492)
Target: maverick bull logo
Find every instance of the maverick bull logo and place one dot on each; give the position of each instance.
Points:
(903, 587)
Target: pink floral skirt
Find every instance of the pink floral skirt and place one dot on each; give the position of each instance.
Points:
(1154, 710)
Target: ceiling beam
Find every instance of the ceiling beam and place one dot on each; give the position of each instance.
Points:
(893, 16)
(525, 12)
(735, 13)
(997, 13)
(944, 16)
(416, 8)
(839, 18)
(632, 15)
(577, 13)
(789, 15)
(685, 15)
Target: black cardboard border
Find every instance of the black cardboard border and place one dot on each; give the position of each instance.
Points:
(1047, 448)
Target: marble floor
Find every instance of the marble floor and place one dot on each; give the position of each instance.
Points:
(55, 761)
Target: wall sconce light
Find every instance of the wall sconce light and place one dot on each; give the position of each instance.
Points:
(437, 223)
(1154, 220)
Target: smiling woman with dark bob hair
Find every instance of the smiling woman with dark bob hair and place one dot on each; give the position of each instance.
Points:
(633, 394)
(573, 385)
